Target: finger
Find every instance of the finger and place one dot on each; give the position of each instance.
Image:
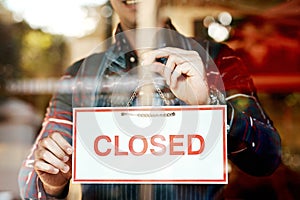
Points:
(182, 54)
(183, 69)
(52, 146)
(170, 66)
(162, 70)
(147, 58)
(150, 56)
(158, 68)
(62, 143)
(47, 156)
(45, 167)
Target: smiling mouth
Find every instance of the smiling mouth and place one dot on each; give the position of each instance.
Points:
(131, 2)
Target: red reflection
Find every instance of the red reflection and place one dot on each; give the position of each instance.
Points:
(270, 46)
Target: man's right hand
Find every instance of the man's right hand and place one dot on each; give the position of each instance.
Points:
(53, 163)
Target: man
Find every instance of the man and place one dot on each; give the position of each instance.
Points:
(253, 143)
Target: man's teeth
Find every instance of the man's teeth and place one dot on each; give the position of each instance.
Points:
(130, 2)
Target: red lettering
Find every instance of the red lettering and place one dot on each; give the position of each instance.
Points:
(96, 149)
(177, 145)
(117, 152)
(190, 144)
(174, 144)
(156, 144)
(131, 145)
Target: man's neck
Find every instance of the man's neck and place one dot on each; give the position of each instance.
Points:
(131, 34)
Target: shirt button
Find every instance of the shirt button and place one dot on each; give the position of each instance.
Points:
(132, 59)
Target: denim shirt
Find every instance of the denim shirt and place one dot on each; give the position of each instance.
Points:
(253, 143)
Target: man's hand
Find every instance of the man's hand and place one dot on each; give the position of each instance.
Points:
(53, 163)
(184, 73)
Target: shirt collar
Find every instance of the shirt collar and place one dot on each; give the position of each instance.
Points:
(125, 56)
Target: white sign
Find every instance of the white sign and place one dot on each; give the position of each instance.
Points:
(185, 144)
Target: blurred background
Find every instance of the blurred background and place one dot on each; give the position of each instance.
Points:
(40, 39)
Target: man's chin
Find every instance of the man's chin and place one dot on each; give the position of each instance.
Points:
(133, 25)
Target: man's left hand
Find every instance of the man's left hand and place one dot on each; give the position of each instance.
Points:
(184, 72)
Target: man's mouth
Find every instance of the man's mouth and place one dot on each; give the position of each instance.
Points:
(131, 2)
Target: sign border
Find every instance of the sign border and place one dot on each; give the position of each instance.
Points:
(151, 181)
